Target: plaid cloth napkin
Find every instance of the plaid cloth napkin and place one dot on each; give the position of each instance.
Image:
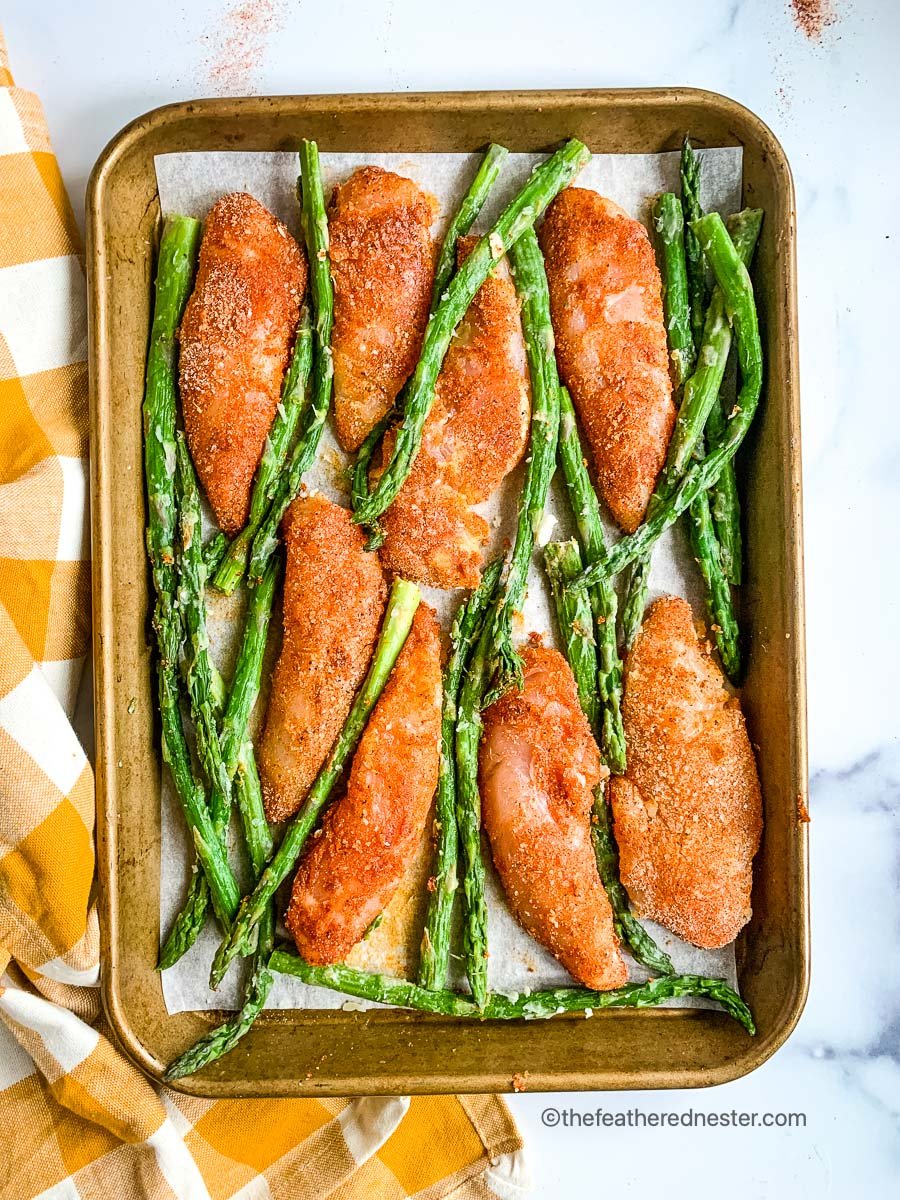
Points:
(79, 1119)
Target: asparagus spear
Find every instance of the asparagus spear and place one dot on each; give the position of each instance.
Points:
(174, 275)
(468, 806)
(691, 210)
(219, 1041)
(732, 300)
(189, 921)
(214, 552)
(434, 958)
(467, 214)
(359, 474)
(233, 729)
(669, 222)
(504, 669)
(471, 206)
(586, 510)
(563, 563)
(724, 500)
(703, 534)
(315, 232)
(248, 669)
(177, 255)
(402, 605)
(192, 581)
(383, 989)
(294, 396)
(723, 622)
(546, 181)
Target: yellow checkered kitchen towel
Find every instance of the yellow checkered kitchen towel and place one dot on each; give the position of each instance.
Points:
(78, 1119)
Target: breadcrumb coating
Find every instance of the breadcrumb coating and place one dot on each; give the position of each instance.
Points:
(236, 338)
(334, 599)
(355, 864)
(688, 813)
(474, 436)
(606, 306)
(382, 261)
(539, 766)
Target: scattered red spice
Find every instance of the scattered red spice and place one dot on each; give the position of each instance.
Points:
(238, 45)
(812, 17)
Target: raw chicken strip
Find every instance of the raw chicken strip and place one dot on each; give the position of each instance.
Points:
(475, 434)
(334, 598)
(236, 338)
(382, 260)
(606, 306)
(539, 766)
(688, 813)
(355, 864)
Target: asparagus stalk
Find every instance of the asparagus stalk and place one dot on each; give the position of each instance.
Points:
(248, 669)
(707, 551)
(691, 210)
(669, 222)
(177, 255)
(468, 811)
(504, 664)
(214, 552)
(402, 605)
(192, 581)
(434, 960)
(725, 504)
(724, 500)
(733, 301)
(546, 181)
(703, 534)
(174, 275)
(218, 1042)
(383, 989)
(563, 563)
(466, 216)
(315, 233)
(359, 475)
(586, 510)
(294, 396)
(471, 206)
(232, 729)
(188, 922)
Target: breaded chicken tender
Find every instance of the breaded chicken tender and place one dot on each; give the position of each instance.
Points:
(334, 599)
(539, 766)
(355, 864)
(382, 260)
(236, 339)
(688, 813)
(607, 312)
(475, 434)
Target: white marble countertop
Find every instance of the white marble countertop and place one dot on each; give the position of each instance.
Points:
(833, 103)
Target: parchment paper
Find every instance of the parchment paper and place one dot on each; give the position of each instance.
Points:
(190, 184)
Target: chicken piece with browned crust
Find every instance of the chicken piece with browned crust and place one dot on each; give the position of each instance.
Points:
(688, 813)
(355, 864)
(607, 312)
(539, 766)
(474, 436)
(236, 339)
(334, 599)
(382, 261)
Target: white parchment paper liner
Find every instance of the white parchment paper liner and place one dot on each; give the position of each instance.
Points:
(190, 184)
